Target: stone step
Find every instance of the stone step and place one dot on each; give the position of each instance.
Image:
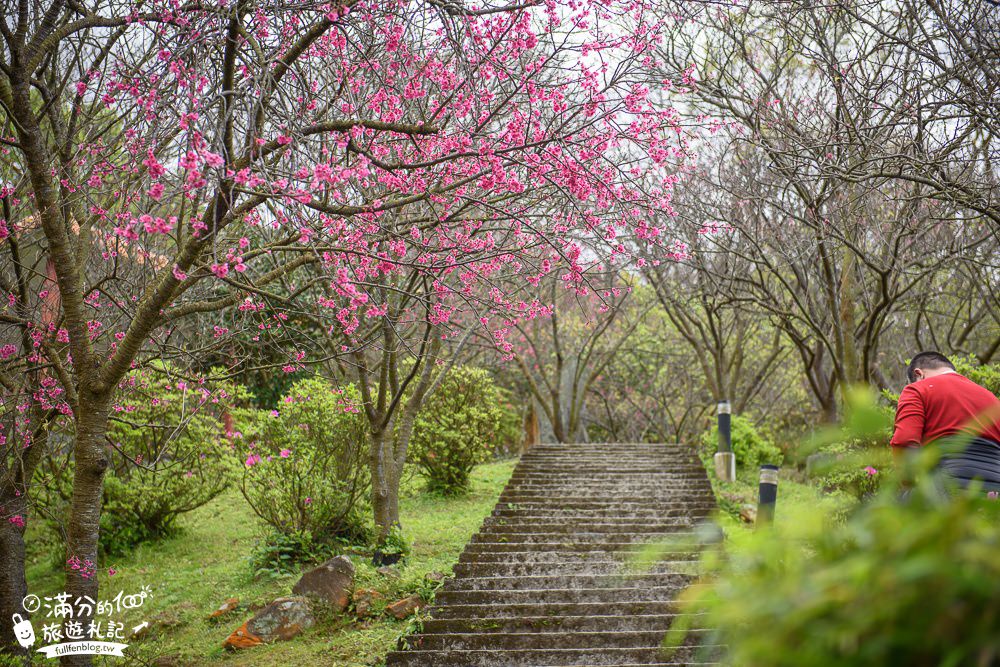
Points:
(562, 547)
(674, 510)
(698, 502)
(572, 557)
(622, 501)
(568, 581)
(501, 525)
(548, 624)
(616, 608)
(622, 537)
(528, 569)
(594, 514)
(660, 481)
(579, 491)
(548, 582)
(581, 484)
(611, 464)
(661, 460)
(599, 451)
(613, 467)
(583, 509)
(651, 655)
(493, 640)
(665, 458)
(558, 595)
(569, 480)
(611, 497)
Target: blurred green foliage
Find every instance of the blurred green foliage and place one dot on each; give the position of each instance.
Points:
(907, 578)
(855, 456)
(898, 583)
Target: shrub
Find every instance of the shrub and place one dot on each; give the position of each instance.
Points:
(855, 466)
(457, 428)
(280, 553)
(176, 436)
(510, 435)
(170, 456)
(900, 583)
(752, 448)
(987, 375)
(855, 456)
(305, 463)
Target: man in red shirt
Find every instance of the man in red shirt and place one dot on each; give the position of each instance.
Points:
(938, 403)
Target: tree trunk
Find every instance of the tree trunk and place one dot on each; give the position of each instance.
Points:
(91, 461)
(13, 585)
(531, 435)
(386, 512)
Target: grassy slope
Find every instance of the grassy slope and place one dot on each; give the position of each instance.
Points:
(793, 495)
(195, 572)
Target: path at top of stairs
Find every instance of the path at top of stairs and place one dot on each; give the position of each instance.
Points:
(543, 583)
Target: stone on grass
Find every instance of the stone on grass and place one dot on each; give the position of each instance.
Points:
(242, 638)
(435, 577)
(748, 514)
(403, 608)
(363, 599)
(331, 582)
(388, 571)
(281, 620)
(229, 605)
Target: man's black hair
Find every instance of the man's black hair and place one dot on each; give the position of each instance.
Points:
(927, 361)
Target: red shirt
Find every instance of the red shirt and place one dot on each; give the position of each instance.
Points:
(944, 405)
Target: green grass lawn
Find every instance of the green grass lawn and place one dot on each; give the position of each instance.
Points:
(193, 573)
(796, 497)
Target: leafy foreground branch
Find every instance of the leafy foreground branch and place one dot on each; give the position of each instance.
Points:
(899, 582)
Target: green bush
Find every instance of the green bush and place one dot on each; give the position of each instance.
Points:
(987, 375)
(855, 466)
(175, 435)
(898, 583)
(169, 455)
(304, 464)
(510, 435)
(280, 553)
(457, 428)
(752, 448)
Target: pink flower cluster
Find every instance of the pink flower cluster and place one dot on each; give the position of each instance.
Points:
(85, 568)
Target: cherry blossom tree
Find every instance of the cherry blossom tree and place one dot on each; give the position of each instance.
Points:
(224, 164)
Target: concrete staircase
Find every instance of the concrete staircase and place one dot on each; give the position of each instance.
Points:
(543, 583)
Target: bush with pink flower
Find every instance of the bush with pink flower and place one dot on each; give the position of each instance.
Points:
(304, 464)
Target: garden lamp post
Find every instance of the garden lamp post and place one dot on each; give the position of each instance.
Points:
(768, 494)
(725, 460)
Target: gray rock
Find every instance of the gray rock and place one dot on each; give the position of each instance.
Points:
(331, 582)
(282, 619)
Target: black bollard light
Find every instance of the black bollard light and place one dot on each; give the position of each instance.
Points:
(768, 494)
(725, 460)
